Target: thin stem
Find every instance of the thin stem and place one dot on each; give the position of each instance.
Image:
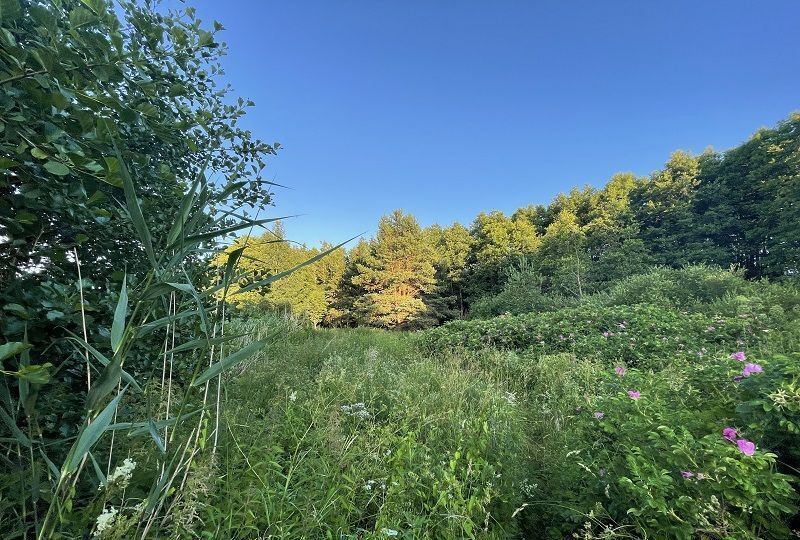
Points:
(83, 323)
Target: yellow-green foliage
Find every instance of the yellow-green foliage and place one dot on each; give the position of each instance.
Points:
(305, 293)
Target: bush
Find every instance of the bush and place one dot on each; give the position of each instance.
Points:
(659, 465)
(639, 335)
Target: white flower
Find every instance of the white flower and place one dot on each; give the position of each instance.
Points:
(293, 396)
(356, 409)
(389, 532)
(123, 473)
(105, 520)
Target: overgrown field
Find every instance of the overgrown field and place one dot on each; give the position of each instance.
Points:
(605, 420)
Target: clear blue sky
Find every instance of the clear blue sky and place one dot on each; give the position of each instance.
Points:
(447, 108)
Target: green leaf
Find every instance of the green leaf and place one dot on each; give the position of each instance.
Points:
(135, 210)
(230, 266)
(57, 168)
(178, 227)
(38, 153)
(90, 434)
(97, 6)
(118, 325)
(228, 362)
(50, 465)
(12, 348)
(37, 374)
(127, 377)
(101, 478)
(151, 426)
(15, 431)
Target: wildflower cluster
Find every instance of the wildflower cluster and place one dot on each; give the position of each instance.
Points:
(358, 410)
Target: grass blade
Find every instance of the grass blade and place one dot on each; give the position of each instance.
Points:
(90, 434)
(228, 362)
(118, 325)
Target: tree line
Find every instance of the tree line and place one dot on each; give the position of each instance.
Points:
(736, 208)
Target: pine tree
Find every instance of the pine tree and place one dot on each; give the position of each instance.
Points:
(397, 273)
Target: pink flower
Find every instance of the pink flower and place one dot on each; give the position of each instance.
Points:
(606, 334)
(619, 370)
(599, 415)
(749, 369)
(633, 394)
(738, 356)
(746, 447)
(687, 474)
(729, 433)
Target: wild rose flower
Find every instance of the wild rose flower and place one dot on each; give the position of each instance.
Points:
(746, 447)
(687, 474)
(633, 394)
(729, 433)
(599, 415)
(619, 370)
(606, 334)
(739, 356)
(749, 369)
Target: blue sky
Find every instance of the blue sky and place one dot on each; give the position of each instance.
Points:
(448, 108)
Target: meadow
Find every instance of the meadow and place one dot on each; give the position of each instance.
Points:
(636, 414)
(623, 362)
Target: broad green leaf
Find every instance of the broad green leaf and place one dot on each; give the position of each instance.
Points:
(98, 7)
(228, 362)
(12, 348)
(57, 168)
(118, 325)
(230, 266)
(37, 374)
(90, 434)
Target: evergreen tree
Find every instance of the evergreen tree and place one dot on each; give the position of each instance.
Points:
(330, 271)
(348, 292)
(397, 273)
(451, 249)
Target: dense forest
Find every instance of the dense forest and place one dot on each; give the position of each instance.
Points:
(621, 363)
(735, 209)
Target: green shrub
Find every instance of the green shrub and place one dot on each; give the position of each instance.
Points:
(639, 335)
(659, 465)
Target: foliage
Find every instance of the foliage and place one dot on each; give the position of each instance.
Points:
(373, 438)
(521, 293)
(108, 129)
(304, 293)
(660, 463)
(396, 274)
